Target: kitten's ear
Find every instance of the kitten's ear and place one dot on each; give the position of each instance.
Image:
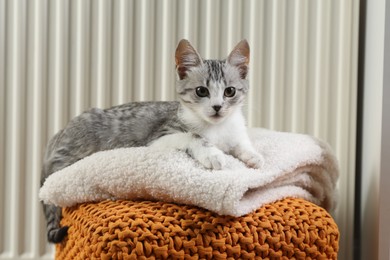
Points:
(186, 58)
(239, 57)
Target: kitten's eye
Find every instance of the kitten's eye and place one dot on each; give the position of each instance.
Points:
(202, 92)
(230, 92)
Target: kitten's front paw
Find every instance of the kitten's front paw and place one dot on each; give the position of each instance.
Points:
(212, 158)
(252, 159)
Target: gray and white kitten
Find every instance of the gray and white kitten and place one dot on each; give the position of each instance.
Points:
(206, 123)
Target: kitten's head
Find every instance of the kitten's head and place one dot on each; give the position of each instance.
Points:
(212, 89)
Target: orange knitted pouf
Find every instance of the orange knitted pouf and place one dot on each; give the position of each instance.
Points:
(290, 228)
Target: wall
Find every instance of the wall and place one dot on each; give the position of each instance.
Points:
(372, 92)
(384, 180)
(58, 58)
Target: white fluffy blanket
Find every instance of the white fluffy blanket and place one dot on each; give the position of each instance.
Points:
(295, 166)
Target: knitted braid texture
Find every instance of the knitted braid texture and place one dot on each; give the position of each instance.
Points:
(286, 229)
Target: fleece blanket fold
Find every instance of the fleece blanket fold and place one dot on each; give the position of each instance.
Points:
(296, 165)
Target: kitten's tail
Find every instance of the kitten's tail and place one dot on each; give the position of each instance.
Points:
(55, 233)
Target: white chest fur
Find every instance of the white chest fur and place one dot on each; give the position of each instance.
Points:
(228, 136)
(225, 135)
(228, 133)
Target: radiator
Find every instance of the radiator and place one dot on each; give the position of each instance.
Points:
(58, 58)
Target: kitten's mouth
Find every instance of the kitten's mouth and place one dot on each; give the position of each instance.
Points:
(216, 117)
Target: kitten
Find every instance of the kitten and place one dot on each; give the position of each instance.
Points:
(206, 123)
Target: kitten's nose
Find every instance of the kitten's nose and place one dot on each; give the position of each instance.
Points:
(217, 108)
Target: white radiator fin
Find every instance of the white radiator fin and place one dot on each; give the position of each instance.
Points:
(58, 58)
